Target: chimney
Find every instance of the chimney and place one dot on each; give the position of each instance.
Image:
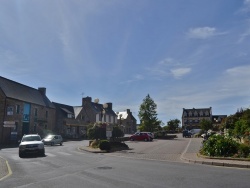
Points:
(109, 105)
(42, 90)
(86, 100)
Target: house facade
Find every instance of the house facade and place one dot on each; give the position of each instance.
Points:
(127, 121)
(23, 110)
(191, 118)
(99, 113)
(71, 121)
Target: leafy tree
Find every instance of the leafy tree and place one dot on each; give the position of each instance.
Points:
(173, 124)
(117, 132)
(206, 124)
(148, 115)
(240, 128)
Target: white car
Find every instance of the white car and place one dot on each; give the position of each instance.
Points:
(31, 144)
(53, 139)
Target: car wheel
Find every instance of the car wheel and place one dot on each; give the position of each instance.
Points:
(145, 139)
(21, 155)
(42, 153)
(131, 139)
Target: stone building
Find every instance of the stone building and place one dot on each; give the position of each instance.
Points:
(71, 121)
(98, 113)
(23, 110)
(191, 117)
(127, 121)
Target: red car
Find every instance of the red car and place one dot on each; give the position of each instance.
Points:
(141, 137)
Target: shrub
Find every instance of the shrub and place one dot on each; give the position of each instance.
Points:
(95, 144)
(244, 150)
(218, 145)
(118, 145)
(104, 145)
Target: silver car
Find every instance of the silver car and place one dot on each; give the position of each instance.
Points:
(30, 144)
(53, 140)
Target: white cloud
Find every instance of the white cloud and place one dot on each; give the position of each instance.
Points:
(178, 73)
(201, 32)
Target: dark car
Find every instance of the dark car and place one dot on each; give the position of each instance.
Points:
(186, 133)
(140, 136)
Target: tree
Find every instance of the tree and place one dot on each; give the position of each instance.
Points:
(148, 115)
(206, 125)
(173, 124)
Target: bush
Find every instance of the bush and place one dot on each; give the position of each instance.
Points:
(118, 145)
(244, 151)
(95, 144)
(104, 145)
(218, 145)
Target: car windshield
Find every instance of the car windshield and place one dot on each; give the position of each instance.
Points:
(31, 138)
(49, 137)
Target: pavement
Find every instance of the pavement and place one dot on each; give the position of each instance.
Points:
(190, 155)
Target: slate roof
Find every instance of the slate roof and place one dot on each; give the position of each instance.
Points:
(74, 110)
(21, 92)
(99, 108)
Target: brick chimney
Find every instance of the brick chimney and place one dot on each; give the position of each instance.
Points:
(42, 90)
(86, 100)
(109, 105)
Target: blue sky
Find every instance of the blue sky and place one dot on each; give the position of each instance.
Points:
(184, 54)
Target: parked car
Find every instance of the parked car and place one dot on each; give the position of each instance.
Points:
(140, 136)
(186, 133)
(52, 140)
(31, 144)
(150, 134)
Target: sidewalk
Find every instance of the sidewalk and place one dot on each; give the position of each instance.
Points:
(191, 155)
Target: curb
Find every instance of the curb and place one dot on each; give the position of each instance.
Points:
(7, 171)
(213, 163)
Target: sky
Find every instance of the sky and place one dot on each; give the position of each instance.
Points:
(184, 54)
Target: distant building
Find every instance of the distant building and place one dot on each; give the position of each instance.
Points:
(71, 121)
(23, 110)
(191, 118)
(127, 121)
(217, 120)
(99, 113)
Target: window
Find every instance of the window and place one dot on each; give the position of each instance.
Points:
(70, 116)
(10, 110)
(35, 113)
(17, 109)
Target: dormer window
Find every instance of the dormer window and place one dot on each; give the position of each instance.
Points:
(207, 114)
(185, 114)
(190, 113)
(195, 113)
(70, 116)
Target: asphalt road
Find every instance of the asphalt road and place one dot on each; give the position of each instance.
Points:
(66, 166)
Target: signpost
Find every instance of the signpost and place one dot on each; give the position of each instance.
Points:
(11, 124)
